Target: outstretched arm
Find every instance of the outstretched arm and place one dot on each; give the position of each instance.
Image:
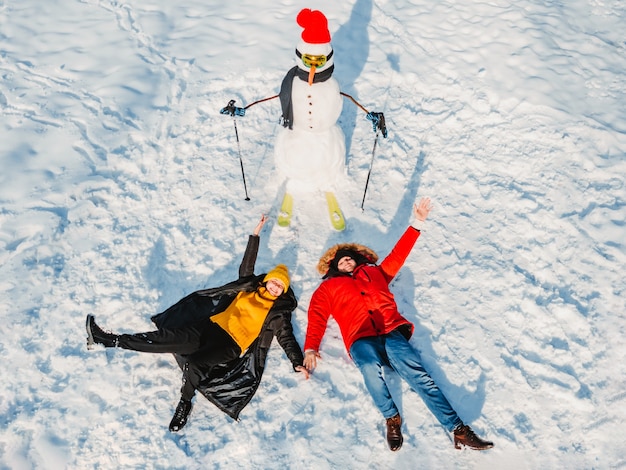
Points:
(287, 340)
(394, 261)
(318, 315)
(246, 268)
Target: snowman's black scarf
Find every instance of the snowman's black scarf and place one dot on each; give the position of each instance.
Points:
(285, 90)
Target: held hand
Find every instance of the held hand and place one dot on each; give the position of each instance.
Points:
(231, 110)
(378, 122)
(310, 360)
(260, 225)
(304, 371)
(421, 210)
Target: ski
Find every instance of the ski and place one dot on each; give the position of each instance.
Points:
(334, 212)
(286, 210)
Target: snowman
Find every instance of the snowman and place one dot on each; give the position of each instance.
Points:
(310, 149)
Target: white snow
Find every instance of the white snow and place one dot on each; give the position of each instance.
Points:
(121, 191)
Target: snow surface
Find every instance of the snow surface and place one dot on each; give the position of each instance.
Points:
(121, 192)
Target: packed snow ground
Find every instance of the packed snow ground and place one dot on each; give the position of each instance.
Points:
(121, 191)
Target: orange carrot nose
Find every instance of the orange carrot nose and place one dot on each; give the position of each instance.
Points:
(311, 75)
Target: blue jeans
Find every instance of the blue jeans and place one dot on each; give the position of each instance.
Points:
(372, 353)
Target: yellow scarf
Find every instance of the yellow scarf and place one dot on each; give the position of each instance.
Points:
(244, 317)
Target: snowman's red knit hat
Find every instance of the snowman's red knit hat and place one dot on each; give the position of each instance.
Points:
(315, 38)
(315, 26)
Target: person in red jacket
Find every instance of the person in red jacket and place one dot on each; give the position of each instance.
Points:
(355, 291)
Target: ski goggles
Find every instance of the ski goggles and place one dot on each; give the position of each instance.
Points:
(316, 61)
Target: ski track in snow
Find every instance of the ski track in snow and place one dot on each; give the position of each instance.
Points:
(121, 192)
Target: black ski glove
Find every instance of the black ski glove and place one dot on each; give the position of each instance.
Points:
(378, 122)
(232, 110)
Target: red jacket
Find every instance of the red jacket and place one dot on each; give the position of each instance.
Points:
(362, 303)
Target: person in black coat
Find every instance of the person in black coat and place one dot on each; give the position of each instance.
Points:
(220, 336)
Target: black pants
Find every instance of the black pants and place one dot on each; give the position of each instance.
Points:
(203, 342)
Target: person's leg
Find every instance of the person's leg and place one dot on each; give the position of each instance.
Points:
(190, 380)
(187, 392)
(216, 347)
(369, 356)
(407, 362)
(180, 340)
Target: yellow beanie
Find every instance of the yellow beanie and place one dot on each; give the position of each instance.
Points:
(281, 273)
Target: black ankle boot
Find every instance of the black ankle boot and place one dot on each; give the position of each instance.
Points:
(95, 335)
(180, 415)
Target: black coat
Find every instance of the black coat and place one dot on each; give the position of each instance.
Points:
(232, 385)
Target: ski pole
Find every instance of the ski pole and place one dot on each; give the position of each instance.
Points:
(379, 123)
(231, 110)
(370, 170)
(243, 174)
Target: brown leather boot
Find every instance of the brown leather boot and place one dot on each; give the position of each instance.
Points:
(394, 433)
(464, 436)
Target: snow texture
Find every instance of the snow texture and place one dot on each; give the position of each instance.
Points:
(121, 191)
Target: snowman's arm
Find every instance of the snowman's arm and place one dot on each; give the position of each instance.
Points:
(354, 101)
(261, 101)
(232, 110)
(378, 119)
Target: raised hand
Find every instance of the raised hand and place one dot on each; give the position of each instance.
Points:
(260, 225)
(422, 209)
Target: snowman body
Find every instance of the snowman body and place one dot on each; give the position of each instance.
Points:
(311, 156)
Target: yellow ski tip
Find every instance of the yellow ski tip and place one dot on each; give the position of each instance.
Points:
(334, 212)
(286, 210)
